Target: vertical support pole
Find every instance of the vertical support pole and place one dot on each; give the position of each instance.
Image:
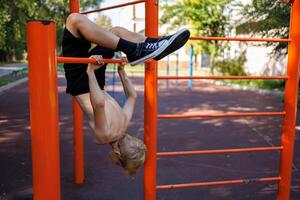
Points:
(114, 83)
(177, 67)
(290, 105)
(134, 18)
(190, 82)
(168, 70)
(150, 122)
(78, 143)
(74, 6)
(43, 109)
(77, 124)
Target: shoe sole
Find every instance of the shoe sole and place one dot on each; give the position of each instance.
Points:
(180, 41)
(160, 50)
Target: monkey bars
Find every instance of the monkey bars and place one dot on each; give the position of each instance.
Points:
(249, 114)
(289, 117)
(216, 183)
(219, 77)
(43, 98)
(87, 60)
(240, 39)
(219, 151)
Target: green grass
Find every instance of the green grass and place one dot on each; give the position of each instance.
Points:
(260, 84)
(11, 62)
(6, 80)
(60, 67)
(16, 75)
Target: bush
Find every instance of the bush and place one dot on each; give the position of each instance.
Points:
(260, 84)
(235, 67)
(231, 66)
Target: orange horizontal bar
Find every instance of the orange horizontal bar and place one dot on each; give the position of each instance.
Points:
(214, 183)
(240, 39)
(221, 77)
(220, 151)
(112, 7)
(250, 114)
(86, 60)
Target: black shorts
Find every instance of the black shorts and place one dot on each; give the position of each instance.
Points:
(76, 76)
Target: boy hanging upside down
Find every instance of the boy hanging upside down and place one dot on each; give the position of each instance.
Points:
(86, 82)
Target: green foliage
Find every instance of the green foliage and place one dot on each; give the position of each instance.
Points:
(104, 22)
(203, 17)
(267, 18)
(14, 14)
(231, 66)
(270, 84)
(260, 84)
(6, 80)
(15, 75)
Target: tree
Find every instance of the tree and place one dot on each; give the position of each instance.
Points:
(12, 25)
(104, 22)
(267, 18)
(14, 15)
(203, 17)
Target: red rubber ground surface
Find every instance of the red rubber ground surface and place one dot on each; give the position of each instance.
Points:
(106, 181)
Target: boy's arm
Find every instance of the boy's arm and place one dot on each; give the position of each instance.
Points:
(101, 128)
(130, 93)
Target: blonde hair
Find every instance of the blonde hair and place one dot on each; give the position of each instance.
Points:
(133, 153)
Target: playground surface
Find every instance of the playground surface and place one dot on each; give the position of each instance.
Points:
(107, 181)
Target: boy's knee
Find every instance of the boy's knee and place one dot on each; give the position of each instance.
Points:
(73, 19)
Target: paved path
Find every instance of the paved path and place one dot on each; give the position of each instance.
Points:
(106, 181)
(7, 69)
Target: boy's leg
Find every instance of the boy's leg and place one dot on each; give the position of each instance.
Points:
(86, 106)
(136, 53)
(135, 37)
(79, 25)
(127, 35)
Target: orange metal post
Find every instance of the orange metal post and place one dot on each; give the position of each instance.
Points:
(290, 105)
(77, 124)
(151, 105)
(78, 146)
(43, 109)
(74, 6)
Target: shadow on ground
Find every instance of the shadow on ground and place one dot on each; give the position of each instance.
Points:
(106, 181)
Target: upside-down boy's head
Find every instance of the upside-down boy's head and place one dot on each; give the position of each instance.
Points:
(129, 152)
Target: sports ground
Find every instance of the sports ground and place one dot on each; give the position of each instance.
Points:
(106, 181)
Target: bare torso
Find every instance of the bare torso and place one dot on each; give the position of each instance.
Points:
(116, 119)
(115, 116)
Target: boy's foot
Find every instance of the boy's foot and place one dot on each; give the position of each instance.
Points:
(159, 49)
(177, 40)
(146, 51)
